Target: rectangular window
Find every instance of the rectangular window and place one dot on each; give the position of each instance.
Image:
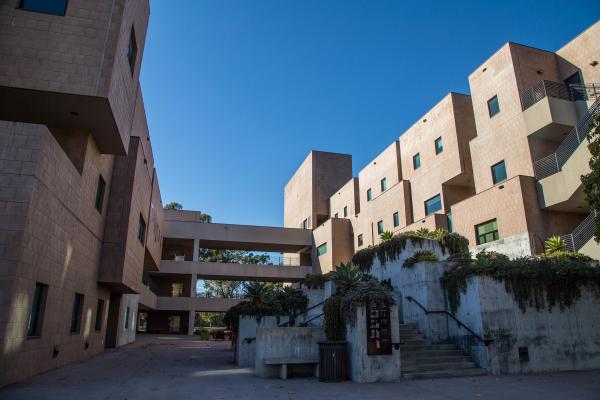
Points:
(141, 233)
(132, 51)
(369, 195)
(383, 185)
(76, 313)
(499, 172)
(396, 219)
(38, 305)
(99, 315)
(335, 215)
(493, 106)
(305, 224)
(439, 145)
(417, 161)
(322, 249)
(379, 227)
(179, 256)
(127, 318)
(100, 188)
(433, 204)
(345, 211)
(176, 289)
(56, 7)
(360, 240)
(487, 232)
(449, 219)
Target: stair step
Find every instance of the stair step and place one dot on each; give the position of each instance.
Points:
(444, 373)
(414, 341)
(433, 360)
(424, 347)
(438, 366)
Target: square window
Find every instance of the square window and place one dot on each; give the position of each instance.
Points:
(487, 232)
(345, 211)
(369, 195)
(493, 106)
(56, 7)
(396, 219)
(100, 188)
(76, 313)
(132, 51)
(38, 306)
(99, 315)
(417, 161)
(439, 145)
(322, 249)
(383, 185)
(433, 204)
(360, 240)
(499, 172)
(380, 227)
(141, 233)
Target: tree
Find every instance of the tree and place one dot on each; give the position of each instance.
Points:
(591, 181)
(174, 206)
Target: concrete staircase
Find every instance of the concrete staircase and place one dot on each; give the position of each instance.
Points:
(421, 359)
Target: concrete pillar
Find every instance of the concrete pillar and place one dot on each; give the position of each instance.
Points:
(196, 250)
(191, 318)
(193, 281)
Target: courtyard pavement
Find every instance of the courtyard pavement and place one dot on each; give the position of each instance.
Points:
(179, 367)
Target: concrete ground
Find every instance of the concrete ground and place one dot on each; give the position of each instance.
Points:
(179, 367)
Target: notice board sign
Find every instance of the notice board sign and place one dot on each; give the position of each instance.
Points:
(379, 335)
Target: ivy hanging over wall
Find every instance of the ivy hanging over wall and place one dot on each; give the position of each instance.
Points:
(421, 255)
(371, 292)
(533, 281)
(315, 281)
(390, 250)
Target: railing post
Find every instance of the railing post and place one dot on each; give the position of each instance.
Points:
(556, 162)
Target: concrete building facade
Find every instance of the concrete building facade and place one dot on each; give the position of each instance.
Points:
(500, 166)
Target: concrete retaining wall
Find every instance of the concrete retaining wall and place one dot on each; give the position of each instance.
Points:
(555, 341)
(291, 342)
(365, 368)
(245, 346)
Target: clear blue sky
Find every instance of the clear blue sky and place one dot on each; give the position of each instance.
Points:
(238, 92)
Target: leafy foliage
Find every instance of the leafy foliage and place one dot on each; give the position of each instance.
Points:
(391, 249)
(371, 292)
(554, 244)
(422, 255)
(591, 181)
(315, 281)
(262, 299)
(173, 205)
(387, 235)
(345, 277)
(335, 326)
(533, 281)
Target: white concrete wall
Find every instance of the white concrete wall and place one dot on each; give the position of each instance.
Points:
(294, 342)
(126, 335)
(365, 368)
(556, 340)
(245, 347)
(512, 246)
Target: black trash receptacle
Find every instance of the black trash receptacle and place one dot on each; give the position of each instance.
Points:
(332, 361)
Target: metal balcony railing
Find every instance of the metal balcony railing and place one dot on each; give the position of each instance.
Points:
(575, 240)
(558, 90)
(554, 162)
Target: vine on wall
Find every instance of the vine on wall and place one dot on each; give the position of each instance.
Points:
(533, 281)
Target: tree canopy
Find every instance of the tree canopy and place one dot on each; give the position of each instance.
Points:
(591, 181)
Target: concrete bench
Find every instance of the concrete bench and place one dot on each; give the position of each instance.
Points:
(284, 362)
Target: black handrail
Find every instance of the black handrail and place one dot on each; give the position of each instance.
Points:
(458, 322)
(305, 323)
(286, 323)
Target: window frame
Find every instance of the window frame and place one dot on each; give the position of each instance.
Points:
(396, 217)
(345, 211)
(359, 239)
(380, 227)
(417, 161)
(76, 311)
(335, 215)
(495, 233)
(141, 233)
(433, 211)
(489, 103)
(132, 51)
(37, 310)
(383, 185)
(494, 180)
(21, 4)
(320, 251)
(369, 194)
(100, 192)
(438, 149)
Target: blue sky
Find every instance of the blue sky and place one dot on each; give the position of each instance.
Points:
(238, 92)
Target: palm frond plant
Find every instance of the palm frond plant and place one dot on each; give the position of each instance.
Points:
(345, 277)
(385, 236)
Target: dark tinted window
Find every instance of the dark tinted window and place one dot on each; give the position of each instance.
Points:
(493, 106)
(439, 145)
(99, 315)
(416, 161)
(76, 313)
(56, 7)
(499, 172)
(433, 204)
(100, 193)
(36, 316)
(132, 51)
(141, 234)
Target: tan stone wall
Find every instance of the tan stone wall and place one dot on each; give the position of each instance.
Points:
(347, 196)
(298, 196)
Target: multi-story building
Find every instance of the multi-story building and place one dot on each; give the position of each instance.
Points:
(500, 166)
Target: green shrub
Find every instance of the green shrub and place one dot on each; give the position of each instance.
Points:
(422, 255)
(335, 326)
(315, 281)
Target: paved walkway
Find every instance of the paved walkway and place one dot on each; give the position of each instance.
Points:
(178, 367)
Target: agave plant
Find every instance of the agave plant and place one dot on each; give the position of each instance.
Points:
(423, 232)
(385, 236)
(555, 244)
(345, 277)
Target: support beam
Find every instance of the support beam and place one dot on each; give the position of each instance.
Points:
(195, 256)
(191, 318)
(194, 281)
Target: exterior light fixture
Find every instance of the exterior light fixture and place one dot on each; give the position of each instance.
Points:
(594, 63)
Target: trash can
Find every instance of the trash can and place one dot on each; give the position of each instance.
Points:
(332, 361)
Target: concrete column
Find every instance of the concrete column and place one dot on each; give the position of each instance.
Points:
(193, 281)
(191, 317)
(196, 249)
